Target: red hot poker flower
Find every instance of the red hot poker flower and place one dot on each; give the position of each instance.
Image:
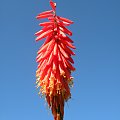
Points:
(55, 61)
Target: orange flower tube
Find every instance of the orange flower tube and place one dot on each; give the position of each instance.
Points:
(55, 61)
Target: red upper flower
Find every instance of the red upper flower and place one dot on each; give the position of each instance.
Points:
(55, 61)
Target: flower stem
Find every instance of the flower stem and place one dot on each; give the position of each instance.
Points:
(59, 115)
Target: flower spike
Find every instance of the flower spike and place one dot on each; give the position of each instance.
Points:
(55, 61)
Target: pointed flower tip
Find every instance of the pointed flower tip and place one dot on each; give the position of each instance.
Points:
(53, 5)
(36, 17)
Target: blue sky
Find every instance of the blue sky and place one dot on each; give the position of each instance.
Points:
(96, 34)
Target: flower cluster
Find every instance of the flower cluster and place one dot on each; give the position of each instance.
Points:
(55, 61)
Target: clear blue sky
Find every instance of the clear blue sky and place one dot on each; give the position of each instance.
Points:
(96, 33)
